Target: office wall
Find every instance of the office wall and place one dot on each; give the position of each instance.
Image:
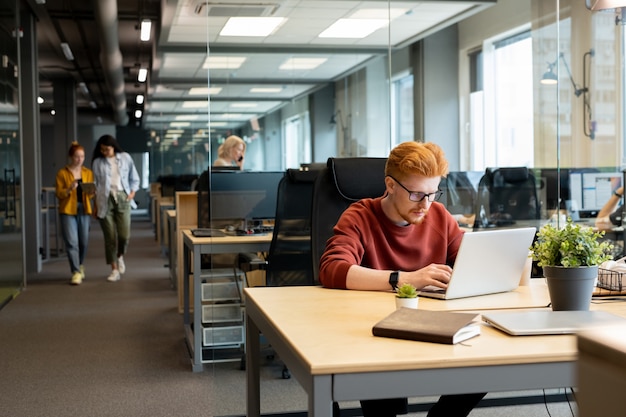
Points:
(323, 133)
(441, 92)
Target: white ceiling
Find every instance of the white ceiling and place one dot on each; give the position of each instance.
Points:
(188, 26)
(187, 32)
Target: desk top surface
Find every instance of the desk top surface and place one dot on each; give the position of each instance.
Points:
(331, 330)
(226, 240)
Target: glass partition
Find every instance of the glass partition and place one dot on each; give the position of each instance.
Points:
(11, 255)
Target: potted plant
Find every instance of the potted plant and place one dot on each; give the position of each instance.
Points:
(570, 257)
(406, 296)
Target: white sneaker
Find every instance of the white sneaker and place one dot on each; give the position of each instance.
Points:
(115, 276)
(82, 272)
(121, 266)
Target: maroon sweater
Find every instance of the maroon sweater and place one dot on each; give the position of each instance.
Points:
(365, 236)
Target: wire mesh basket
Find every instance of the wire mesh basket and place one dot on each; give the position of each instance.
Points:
(610, 281)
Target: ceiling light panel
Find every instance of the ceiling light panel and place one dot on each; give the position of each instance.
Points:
(299, 64)
(353, 28)
(204, 91)
(251, 26)
(224, 62)
(146, 28)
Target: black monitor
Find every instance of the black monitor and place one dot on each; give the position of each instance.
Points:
(549, 180)
(460, 188)
(172, 183)
(591, 190)
(237, 196)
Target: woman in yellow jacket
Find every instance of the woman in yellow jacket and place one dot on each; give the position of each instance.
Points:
(75, 189)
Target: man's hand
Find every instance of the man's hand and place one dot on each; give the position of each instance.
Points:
(437, 275)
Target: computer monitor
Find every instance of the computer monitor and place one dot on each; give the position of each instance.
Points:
(549, 180)
(241, 197)
(460, 189)
(590, 191)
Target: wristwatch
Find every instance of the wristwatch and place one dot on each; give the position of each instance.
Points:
(616, 194)
(393, 279)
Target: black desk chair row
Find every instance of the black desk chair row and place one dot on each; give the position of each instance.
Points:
(288, 261)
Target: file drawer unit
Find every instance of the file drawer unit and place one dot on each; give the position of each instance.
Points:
(222, 323)
(212, 299)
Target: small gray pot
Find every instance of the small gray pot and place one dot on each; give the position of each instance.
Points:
(570, 288)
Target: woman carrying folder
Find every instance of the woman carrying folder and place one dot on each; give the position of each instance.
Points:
(403, 236)
(75, 209)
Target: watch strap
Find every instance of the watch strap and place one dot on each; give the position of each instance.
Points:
(393, 279)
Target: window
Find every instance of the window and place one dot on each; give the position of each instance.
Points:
(501, 115)
(402, 110)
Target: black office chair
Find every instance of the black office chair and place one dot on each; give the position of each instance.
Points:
(288, 261)
(341, 183)
(506, 195)
(459, 193)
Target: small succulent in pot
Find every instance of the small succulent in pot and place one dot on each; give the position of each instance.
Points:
(406, 291)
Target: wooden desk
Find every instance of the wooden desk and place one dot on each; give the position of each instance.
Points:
(325, 339)
(196, 247)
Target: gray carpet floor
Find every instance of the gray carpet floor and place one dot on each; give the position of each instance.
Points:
(117, 349)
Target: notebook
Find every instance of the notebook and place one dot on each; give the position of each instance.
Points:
(526, 323)
(488, 262)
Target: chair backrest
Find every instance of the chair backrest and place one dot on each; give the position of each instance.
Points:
(506, 195)
(341, 183)
(289, 257)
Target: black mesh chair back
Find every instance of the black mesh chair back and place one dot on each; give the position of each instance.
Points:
(341, 183)
(506, 195)
(289, 258)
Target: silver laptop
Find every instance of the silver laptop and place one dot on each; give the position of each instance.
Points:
(527, 323)
(488, 262)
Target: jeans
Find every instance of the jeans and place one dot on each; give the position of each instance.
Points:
(116, 227)
(75, 231)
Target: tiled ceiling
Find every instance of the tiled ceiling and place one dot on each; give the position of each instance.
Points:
(186, 32)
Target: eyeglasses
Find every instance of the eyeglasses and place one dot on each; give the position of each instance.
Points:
(418, 196)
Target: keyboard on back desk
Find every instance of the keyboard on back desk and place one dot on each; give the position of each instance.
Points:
(205, 232)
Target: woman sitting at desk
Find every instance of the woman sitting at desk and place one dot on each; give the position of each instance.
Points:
(609, 217)
(231, 152)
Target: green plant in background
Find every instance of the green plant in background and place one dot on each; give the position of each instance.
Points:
(406, 291)
(571, 246)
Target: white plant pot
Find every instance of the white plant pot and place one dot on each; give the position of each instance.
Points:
(407, 302)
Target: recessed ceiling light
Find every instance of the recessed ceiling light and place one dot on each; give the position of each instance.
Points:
(195, 104)
(180, 124)
(223, 62)
(139, 99)
(302, 63)
(146, 25)
(142, 75)
(353, 28)
(266, 89)
(251, 26)
(204, 91)
(138, 114)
